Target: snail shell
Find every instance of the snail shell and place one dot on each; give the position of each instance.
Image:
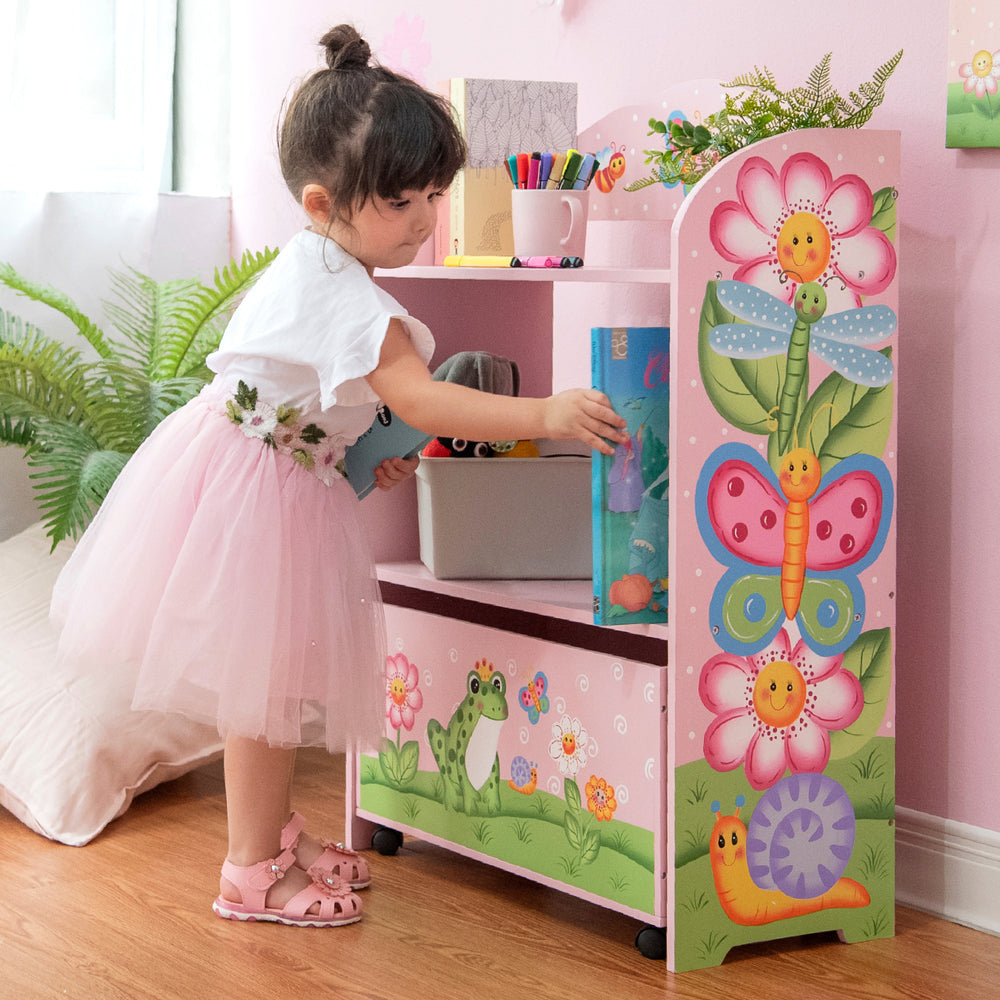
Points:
(801, 835)
(520, 771)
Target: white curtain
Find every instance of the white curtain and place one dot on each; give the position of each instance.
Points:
(86, 94)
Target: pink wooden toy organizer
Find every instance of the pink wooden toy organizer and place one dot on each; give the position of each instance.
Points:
(610, 762)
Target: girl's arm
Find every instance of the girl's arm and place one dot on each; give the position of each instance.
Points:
(447, 409)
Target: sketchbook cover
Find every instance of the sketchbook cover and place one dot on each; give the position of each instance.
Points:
(631, 365)
(498, 118)
(388, 437)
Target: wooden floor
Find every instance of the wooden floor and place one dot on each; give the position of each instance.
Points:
(129, 917)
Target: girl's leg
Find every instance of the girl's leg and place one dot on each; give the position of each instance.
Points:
(258, 804)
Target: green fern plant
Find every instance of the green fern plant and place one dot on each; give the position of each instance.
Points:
(760, 110)
(78, 419)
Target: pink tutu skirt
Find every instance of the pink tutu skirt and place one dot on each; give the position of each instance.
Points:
(234, 585)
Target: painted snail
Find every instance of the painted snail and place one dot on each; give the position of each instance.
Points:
(790, 860)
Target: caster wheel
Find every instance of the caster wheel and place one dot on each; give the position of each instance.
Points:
(652, 942)
(387, 841)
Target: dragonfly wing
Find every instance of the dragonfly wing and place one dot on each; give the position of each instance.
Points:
(741, 340)
(867, 325)
(754, 305)
(857, 364)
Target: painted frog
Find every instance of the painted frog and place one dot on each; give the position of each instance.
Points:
(466, 751)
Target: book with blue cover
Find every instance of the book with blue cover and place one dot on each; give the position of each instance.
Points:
(631, 365)
(388, 437)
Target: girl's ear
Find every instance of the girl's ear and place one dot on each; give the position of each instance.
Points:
(317, 203)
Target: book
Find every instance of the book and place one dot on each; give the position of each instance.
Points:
(388, 437)
(498, 118)
(629, 503)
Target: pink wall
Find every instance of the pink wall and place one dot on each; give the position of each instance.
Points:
(949, 405)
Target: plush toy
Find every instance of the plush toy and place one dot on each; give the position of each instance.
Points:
(488, 373)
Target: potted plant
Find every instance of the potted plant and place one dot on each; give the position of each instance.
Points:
(79, 419)
(760, 110)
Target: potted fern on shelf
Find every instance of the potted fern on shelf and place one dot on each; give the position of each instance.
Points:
(758, 111)
(79, 419)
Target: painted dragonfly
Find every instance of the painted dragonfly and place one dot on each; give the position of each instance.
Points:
(773, 327)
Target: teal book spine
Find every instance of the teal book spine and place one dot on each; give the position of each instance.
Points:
(631, 365)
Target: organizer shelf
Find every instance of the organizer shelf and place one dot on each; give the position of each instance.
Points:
(653, 769)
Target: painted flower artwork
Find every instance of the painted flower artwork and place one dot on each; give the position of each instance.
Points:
(774, 710)
(980, 74)
(600, 798)
(798, 224)
(402, 695)
(569, 745)
(973, 108)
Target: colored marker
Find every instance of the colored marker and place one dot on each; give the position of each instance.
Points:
(534, 165)
(573, 163)
(475, 260)
(550, 261)
(557, 170)
(522, 170)
(586, 169)
(511, 164)
(546, 169)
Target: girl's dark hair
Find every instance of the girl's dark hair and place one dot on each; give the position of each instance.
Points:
(361, 130)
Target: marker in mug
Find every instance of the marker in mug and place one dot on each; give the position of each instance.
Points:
(586, 169)
(572, 169)
(522, 170)
(557, 170)
(534, 165)
(546, 169)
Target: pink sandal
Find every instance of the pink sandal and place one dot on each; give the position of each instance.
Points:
(337, 904)
(336, 861)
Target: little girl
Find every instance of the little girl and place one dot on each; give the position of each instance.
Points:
(228, 567)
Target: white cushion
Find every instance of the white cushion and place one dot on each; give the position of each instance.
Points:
(73, 754)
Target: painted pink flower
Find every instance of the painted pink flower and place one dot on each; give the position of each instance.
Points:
(402, 696)
(980, 75)
(803, 225)
(775, 710)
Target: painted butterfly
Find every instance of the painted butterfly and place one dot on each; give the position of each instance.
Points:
(792, 550)
(533, 698)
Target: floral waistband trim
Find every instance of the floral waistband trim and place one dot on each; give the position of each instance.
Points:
(281, 429)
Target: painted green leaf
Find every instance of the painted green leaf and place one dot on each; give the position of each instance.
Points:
(574, 829)
(572, 792)
(841, 419)
(409, 758)
(388, 758)
(884, 212)
(870, 660)
(591, 846)
(743, 392)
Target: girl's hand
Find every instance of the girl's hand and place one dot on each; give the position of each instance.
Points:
(586, 415)
(394, 471)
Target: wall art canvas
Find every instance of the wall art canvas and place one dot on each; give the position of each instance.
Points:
(973, 118)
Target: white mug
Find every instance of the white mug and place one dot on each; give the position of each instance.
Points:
(549, 222)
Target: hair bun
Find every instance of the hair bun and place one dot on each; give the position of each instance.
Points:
(345, 48)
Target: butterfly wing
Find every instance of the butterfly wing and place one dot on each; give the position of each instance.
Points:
(831, 613)
(848, 524)
(849, 517)
(746, 611)
(741, 507)
(740, 517)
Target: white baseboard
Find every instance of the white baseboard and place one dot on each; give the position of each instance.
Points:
(949, 869)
